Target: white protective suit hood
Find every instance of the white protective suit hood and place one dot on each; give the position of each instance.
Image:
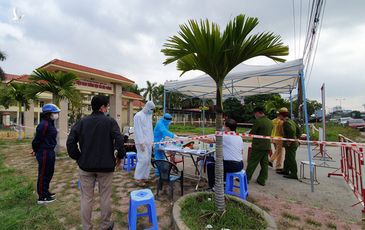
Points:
(148, 108)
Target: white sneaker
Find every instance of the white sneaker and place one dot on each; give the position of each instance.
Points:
(45, 200)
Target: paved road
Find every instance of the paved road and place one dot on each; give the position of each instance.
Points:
(331, 194)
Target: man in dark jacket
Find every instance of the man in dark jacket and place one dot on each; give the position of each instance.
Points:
(98, 136)
(260, 147)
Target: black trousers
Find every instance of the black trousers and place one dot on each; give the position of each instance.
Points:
(228, 167)
(46, 162)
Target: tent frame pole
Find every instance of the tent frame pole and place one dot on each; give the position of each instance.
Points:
(309, 148)
(291, 103)
(203, 116)
(164, 101)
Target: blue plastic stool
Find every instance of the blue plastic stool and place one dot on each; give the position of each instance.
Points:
(243, 185)
(131, 161)
(143, 197)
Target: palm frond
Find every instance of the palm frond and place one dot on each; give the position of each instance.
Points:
(201, 46)
(60, 84)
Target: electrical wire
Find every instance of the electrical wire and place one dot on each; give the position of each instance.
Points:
(300, 26)
(315, 50)
(295, 41)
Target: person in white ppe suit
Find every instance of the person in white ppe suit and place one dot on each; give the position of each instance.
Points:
(143, 132)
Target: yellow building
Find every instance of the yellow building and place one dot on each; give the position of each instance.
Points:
(123, 104)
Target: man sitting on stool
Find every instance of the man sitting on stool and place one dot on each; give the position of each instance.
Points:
(232, 153)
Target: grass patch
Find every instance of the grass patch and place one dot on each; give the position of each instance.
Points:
(62, 154)
(333, 129)
(197, 212)
(313, 222)
(120, 218)
(331, 226)
(290, 216)
(18, 208)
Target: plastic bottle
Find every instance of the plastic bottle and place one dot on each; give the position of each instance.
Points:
(211, 147)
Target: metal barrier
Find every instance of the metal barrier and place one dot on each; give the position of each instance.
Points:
(352, 169)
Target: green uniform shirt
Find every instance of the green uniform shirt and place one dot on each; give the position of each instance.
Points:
(291, 130)
(262, 126)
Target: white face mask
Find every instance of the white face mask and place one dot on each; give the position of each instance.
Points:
(54, 116)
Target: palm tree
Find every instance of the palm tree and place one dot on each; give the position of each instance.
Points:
(5, 96)
(19, 92)
(157, 95)
(133, 88)
(148, 91)
(201, 46)
(60, 84)
(2, 58)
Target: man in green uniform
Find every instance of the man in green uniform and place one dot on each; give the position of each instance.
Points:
(260, 147)
(290, 130)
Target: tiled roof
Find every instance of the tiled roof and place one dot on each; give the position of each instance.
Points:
(86, 69)
(131, 95)
(138, 103)
(9, 77)
(23, 78)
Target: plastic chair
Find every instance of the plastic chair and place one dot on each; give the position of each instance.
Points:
(164, 168)
(131, 161)
(243, 185)
(143, 197)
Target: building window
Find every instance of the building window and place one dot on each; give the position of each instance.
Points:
(41, 104)
(88, 107)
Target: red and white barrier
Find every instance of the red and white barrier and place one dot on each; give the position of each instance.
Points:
(352, 169)
(330, 143)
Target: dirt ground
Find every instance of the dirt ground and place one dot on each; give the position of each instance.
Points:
(290, 202)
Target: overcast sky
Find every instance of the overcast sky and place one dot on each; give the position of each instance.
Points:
(125, 37)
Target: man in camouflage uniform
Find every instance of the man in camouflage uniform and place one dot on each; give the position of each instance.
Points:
(260, 147)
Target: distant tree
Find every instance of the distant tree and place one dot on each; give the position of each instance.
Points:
(19, 93)
(148, 91)
(6, 98)
(157, 95)
(174, 100)
(312, 106)
(133, 88)
(233, 109)
(2, 58)
(356, 114)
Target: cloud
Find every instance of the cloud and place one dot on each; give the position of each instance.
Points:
(126, 37)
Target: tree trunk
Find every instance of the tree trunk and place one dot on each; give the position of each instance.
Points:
(20, 121)
(219, 186)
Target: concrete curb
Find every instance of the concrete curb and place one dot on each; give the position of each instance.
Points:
(180, 225)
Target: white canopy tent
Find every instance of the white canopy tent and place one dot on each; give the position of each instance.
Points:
(251, 80)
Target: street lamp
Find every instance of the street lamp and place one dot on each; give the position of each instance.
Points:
(340, 99)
